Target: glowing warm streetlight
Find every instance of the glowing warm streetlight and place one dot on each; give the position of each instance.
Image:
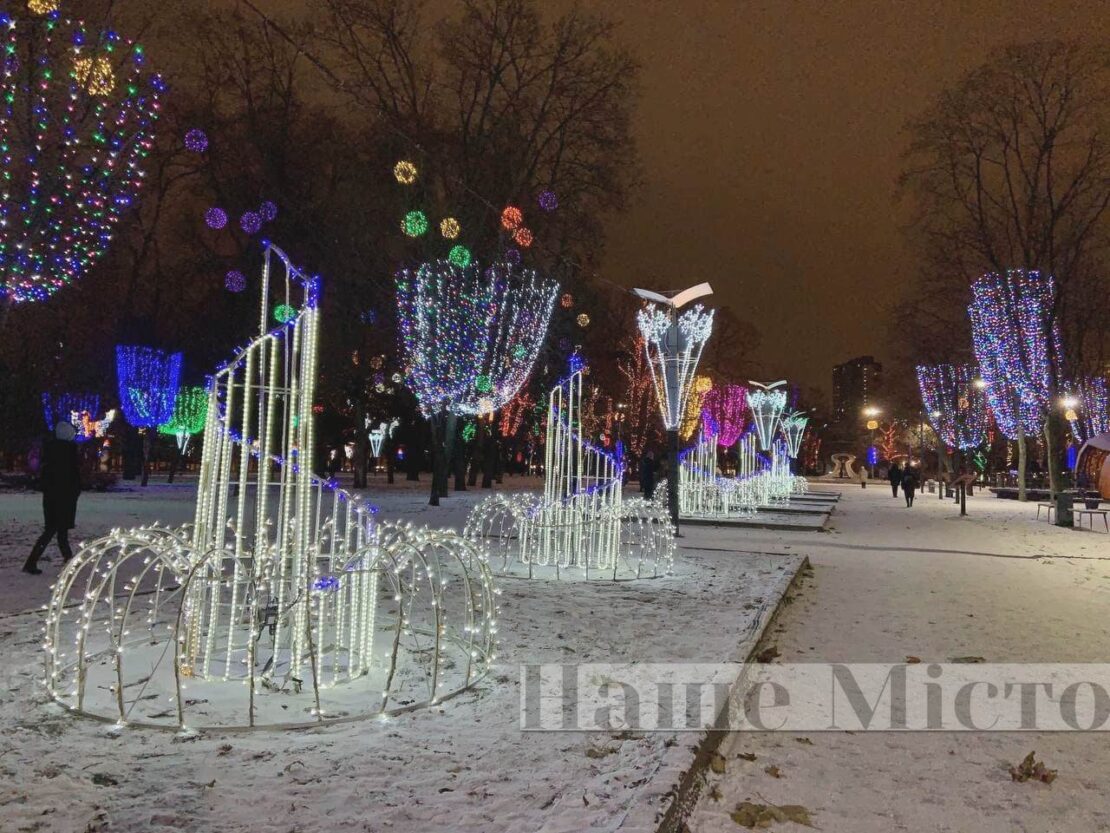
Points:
(1069, 402)
(980, 383)
(871, 411)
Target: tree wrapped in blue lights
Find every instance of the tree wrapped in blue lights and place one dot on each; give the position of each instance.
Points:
(148, 381)
(61, 406)
(470, 336)
(1018, 349)
(77, 114)
(955, 402)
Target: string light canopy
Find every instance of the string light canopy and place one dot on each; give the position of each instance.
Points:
(724, 413)
(1014, 342)
(471, 335)
(77, 116)
(793, 427)
(767, 404)
(956, 402)
(148, 381)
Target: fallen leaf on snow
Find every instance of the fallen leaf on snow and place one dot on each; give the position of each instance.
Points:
(767, 654)
(1030, 769)
(912, 660)
(751, 815)
(717, 763)
(966, 659)
(773, 771)
(746, 756)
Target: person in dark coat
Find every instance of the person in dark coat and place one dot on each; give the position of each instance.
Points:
(909, 484)
(895, 478)
(61, 485)
(647, 474)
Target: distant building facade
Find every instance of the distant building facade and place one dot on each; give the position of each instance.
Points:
(855, 386)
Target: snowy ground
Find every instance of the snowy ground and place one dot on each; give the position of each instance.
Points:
(891, 582)
(464, 766)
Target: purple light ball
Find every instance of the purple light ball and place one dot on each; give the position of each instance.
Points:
(250, 222)
(268, 211)
(235, 281)
(196, 140)
(512, 256)
(215, 218)
(548, 201)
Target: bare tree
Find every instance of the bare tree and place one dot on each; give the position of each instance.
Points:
(1010, 168)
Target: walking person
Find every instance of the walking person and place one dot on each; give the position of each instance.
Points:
(61, 484)
(862, 475)
(909, 484)
(647, 474)
(894, 475)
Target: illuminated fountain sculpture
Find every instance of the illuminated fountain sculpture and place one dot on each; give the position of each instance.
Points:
(581, 527)
(285, 603)
(767, 405)
(673, 344)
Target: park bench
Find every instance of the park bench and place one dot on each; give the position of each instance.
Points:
(1051, 507)
(1090, 513)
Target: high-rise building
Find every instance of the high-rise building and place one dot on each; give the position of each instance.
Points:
(855, 385)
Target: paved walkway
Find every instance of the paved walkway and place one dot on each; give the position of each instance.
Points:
(891, 582)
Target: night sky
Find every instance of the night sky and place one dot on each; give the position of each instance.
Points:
(770, 136)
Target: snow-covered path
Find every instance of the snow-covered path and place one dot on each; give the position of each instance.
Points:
(891, 582)
(464, 765)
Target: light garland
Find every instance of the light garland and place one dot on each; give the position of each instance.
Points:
(724, 413)
(76, 124)
(1013, 338)
(767, 405)
(295, 581)
(470, 335)
(148, 382)
(955, 404)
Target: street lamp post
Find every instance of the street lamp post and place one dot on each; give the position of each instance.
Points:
(673, 344)
(871, 413)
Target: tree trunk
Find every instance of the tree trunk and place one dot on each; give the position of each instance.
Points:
(1053, 441)
(1021, 462)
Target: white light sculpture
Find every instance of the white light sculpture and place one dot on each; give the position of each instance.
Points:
(767, 405)
(377, 438)
(285, 603)
(581, 527)
(793, 427)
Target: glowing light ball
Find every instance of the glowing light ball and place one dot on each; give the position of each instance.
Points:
(567, 301)
(283, 313)
(196, 140)
(405, 172)
(215, 218)
(414, 224)
(250, 222)
(369, 317)
(95, 74)
(268, 211)
(460, 256)
(235, 281)
(42, 6)
(397, 378)
(583, 320)
(512, 256)
(523, 237)
(548, 201)
(511, 218)
(449, 228)
(377, 362)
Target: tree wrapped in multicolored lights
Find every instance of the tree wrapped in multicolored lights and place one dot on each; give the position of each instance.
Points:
(470, 335)
(1018, 349)
(955, 402)
(76, 122)
(1088, 413)
(724, 413)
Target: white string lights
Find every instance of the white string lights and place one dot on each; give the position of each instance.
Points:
(793, 427)
(674, 346)
(581, 527)
(767, 405)
(284, 583)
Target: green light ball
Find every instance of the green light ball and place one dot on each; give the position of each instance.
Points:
(460, 256)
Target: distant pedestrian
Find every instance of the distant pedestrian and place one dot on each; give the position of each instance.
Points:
(895, 478)
(61, 485)
(909, 484)
(648, 468)
(862, 475)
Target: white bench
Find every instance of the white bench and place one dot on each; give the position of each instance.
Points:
(1090, 513)
(1051, 507)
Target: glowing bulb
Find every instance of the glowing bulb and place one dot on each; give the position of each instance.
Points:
(405, 172)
